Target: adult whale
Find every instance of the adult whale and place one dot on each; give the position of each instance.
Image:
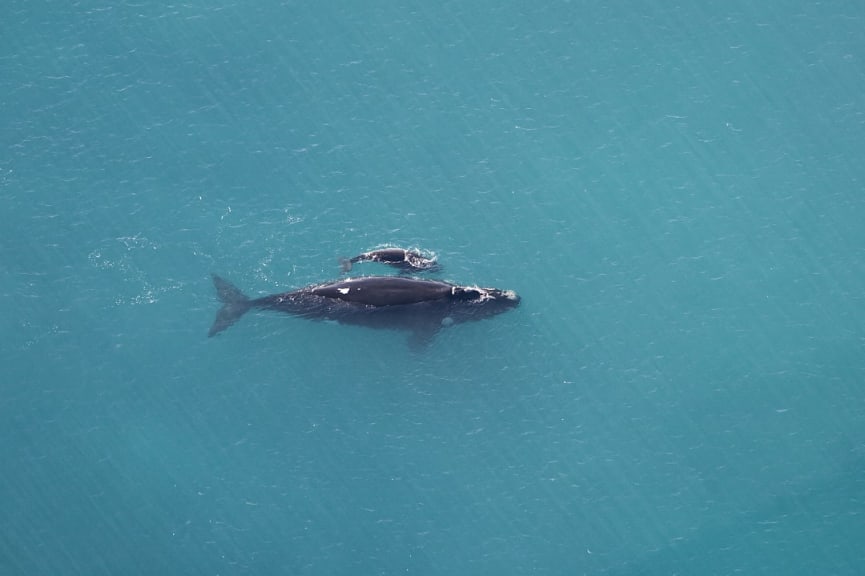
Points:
(419, 306)
(405, 260)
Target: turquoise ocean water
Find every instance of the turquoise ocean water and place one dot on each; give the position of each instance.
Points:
(675, 191)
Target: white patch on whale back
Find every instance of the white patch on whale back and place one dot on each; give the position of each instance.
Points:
(343, 290)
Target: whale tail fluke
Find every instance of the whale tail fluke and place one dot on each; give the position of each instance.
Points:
(345, 264)
(234, 305)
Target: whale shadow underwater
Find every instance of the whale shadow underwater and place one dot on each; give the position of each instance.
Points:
(421, 307)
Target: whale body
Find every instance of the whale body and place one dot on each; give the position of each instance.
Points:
(417, 305)
(400, 258)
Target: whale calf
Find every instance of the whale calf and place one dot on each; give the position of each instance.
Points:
(405, 260)
(420, 306)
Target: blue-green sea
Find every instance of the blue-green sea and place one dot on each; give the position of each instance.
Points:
(677, 191)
